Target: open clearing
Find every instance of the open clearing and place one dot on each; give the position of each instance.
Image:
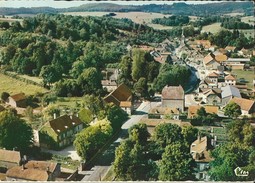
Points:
(213, 28)
(13, 86)
(137, 17)
(247, 75)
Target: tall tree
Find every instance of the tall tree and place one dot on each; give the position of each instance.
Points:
(176, 164)
(232, 110)
(14, 132)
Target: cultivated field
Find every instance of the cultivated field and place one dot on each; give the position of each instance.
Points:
(137, 17)
(213, 28)
(13, 86)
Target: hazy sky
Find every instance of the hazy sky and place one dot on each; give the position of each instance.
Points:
(66, 4)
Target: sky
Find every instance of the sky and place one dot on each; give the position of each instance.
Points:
(66, 4)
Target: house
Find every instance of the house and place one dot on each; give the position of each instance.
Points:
(17, 100)
(228, 92)
(221, 70)
(60, 132)
(206, 44)
(199, 150)
(244, 52)
(230, 80)
(122, 97)
(213, 80)
(231, 48)
(109, 85)
(34, 171)
(247, 106)
(9, 159)
(210, 62)
(162, 112)
(212, 96)
(192, 110)
(173, 96)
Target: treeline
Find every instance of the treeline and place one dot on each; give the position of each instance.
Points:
(235, 23)
(227, 38)
(172, 20)
(226, 22)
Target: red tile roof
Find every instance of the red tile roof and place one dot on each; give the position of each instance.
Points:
(10, 156)
(245, 104)
(18, 97)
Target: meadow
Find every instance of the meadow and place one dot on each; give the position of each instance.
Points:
(13, 86)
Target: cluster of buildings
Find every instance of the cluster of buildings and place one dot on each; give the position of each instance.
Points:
(15, 167)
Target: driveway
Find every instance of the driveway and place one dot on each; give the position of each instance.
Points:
(68, 151)
(104, 162)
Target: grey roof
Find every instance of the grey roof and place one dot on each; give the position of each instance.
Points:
(230, 91)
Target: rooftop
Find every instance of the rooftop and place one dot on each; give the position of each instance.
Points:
(173, 93)
(245, 104)
(63, 123)
(10, 156)
(18, 97)
(192, 111)
(230, 91)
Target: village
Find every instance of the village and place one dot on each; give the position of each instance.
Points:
(123, 119)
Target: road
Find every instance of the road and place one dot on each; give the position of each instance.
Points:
(104, 162)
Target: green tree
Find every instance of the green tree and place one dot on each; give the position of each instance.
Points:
(4, 96)
(85, 115)
(50, 74)
(232, 110)
(91, 139)
(90, 81)
(176, 164)
(189, 134)
(166, 134)
(228, 157)
(138, 133)
(116, 116)
(139, 62)
(14, 132)
(141, 87)
(241, 131)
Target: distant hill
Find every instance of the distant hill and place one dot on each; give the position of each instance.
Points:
(175, 8)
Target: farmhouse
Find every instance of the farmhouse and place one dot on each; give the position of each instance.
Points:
(60, 132)
(231, 48)
(34, 171)
(199, 150)
(121, 96)
(247, 106)
(17, 100)
(173, 96)
(230, 80)
(212, 96)
(210, 62)
(9, 159)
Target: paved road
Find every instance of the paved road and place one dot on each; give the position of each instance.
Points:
(104, 162)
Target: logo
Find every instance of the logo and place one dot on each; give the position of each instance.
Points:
(239, 172)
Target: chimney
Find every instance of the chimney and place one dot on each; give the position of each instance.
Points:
(199, 138)
(23, 167)
(77, 115)
(54, 116)
(71, 117)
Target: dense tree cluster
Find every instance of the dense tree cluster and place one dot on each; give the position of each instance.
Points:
(173, 75)
(238, 152)
(235, 23)
(175, 20)
(15, 133)
(165, 157)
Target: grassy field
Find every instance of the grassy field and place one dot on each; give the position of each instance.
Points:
(248, 20)
(213, 28)
(247, 75)
(13, 86)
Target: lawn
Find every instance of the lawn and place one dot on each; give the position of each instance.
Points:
(247, 75)
(248, 20)
(69, 102)
(13, 86)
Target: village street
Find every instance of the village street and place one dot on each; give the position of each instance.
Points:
(104, 162)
